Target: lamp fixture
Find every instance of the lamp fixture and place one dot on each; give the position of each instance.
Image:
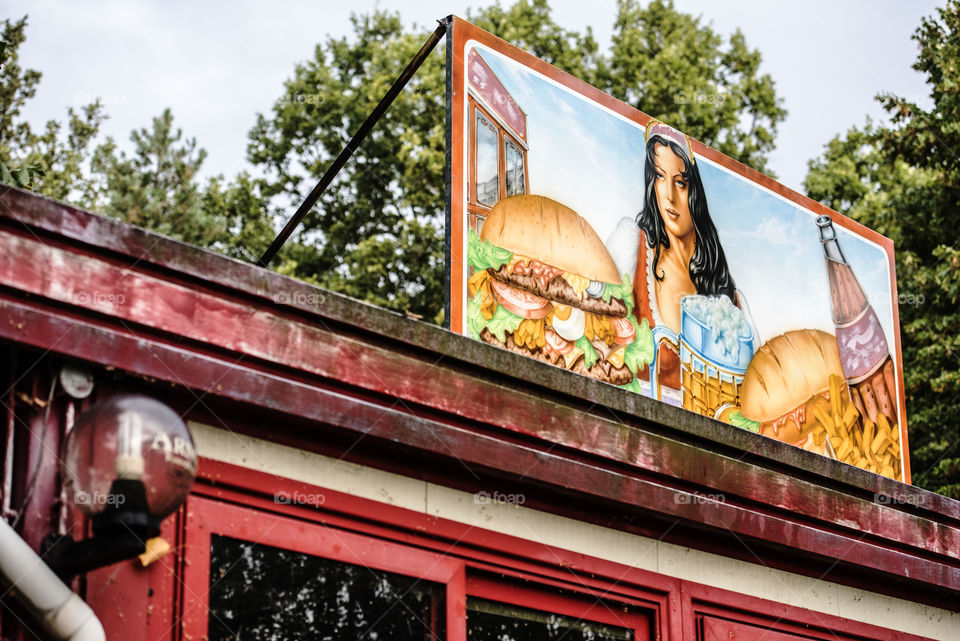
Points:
(127, 463)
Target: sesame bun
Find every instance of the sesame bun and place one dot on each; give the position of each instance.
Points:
(787, 371)
(545, 230)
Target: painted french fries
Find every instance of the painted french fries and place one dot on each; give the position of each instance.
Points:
(852, 435)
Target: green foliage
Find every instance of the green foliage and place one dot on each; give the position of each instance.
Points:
(671, 66)
(903, 179)
(377, 232)
(50, 162)
(155, 185)
(528, 25)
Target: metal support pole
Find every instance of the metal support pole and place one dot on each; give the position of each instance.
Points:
(358, 138)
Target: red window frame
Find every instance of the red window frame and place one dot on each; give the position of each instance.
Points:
(207, 517)
(587, 606)
(172, 593)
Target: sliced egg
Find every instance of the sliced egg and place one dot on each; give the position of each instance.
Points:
(571, 328)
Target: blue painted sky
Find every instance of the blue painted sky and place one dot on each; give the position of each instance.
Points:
(592, 160)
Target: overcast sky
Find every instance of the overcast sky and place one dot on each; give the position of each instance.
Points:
(216, 64)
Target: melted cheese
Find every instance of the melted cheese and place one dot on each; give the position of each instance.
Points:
(517, 258)
(577, 282)
(616, 357)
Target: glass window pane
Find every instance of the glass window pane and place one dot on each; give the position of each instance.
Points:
(515, 178)
(488, 163)
(493, 621)
(270, 594)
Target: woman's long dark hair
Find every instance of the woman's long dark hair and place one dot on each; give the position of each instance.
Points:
(708, 265)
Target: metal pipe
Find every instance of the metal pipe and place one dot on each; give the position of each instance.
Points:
(62, 613)
(358, 138)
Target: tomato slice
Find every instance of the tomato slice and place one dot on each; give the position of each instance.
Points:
(519, 302)
(625, 331)
(556, 342)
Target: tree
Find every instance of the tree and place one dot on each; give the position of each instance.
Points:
(52, 162)
(377, 233)
(903, 179)
(669, 65)
(155, 186)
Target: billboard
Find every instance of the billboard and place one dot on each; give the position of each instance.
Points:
(587, 235)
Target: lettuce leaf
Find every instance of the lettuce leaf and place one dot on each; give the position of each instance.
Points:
(623, 291)
(739, 420)
(503, 321)
(640, 351)
(475, 319)
(482, 254)
(633, 386)
(589, 353)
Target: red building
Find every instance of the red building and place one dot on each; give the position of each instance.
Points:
(364, 475)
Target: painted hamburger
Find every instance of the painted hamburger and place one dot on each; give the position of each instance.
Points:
(787, 387)
(545, 286)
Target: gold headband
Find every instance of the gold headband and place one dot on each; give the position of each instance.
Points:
(657, 128)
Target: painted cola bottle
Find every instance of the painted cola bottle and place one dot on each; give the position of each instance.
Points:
(864, 354)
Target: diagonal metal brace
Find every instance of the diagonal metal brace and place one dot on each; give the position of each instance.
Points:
(355, 141)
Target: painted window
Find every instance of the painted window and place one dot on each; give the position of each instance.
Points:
(488, 163)
(516, 180)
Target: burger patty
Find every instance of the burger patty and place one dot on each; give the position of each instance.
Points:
(560, 291)
(602, 370)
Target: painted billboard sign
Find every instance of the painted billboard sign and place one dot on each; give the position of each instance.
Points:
(587, 235)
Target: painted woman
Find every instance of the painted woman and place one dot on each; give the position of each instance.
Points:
(678, 252)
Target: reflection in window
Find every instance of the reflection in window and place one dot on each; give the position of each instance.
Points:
(493, 621)
(515, 179)
(270, 594)
(488, 163)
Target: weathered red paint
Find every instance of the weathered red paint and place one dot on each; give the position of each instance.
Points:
(342, 376)
(182, 311)
(136, 602)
